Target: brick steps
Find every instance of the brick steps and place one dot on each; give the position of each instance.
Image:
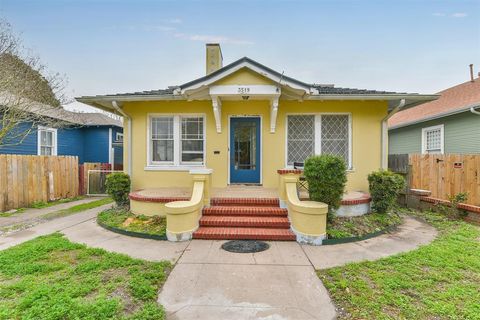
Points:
(222, 233)
(238, 221)
(245, 211)
(245, 219)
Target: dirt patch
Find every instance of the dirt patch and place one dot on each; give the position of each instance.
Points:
(128, 221)
(129, 306)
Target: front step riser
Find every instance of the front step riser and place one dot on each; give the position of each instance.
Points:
(243, 237)
(217, 211)
(270, 225)
(245, 202)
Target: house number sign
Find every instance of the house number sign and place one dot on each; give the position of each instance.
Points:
(458, 165)
(243, 90)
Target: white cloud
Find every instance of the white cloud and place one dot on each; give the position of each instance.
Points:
(439, 14)
(144, 27)
(212, 38)
(174, 21)
(459, 15)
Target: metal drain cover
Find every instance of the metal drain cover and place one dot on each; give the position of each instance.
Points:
(245, 246)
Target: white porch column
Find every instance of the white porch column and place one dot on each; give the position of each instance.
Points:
(217, 112)
(273, 114)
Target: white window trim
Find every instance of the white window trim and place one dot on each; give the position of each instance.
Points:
(54, 139)
(442, 137)
(117, 135)
(176, 164)
(318, 135)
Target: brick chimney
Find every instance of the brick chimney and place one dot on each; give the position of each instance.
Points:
(214, 57)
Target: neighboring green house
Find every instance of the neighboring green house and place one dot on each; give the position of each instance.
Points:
(450, 124)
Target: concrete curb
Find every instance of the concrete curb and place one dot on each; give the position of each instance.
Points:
(132, 233)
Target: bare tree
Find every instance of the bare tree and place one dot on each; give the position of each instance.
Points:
(29, 94)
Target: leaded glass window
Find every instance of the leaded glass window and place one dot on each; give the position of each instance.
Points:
(301, 138)
(335, 137)
(318, 134)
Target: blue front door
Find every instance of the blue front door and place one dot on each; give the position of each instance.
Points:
(245, 150)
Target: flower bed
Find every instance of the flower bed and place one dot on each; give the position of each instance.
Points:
(349, 229)
(124, 222)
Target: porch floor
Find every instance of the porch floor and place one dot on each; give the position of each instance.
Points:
(244, 191)
(235, 191)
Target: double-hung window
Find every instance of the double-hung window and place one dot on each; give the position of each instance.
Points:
(318, 134)
(432, 139)
(47, 141)
(177, 140)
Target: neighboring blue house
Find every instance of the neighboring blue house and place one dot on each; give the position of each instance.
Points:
(92, 137)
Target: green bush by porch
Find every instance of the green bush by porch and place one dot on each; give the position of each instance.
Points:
(118, 187)
(326, 176)
(385, 187)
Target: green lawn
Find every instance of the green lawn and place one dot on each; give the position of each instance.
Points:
(52, 278)
(438, 281)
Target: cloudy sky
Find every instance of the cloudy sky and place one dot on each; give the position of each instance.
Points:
(111, 46)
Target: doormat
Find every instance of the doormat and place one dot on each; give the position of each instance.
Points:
(245, 246)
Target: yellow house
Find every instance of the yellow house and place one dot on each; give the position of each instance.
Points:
(246, 124)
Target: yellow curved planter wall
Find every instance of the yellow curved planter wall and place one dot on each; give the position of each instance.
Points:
(147, 208)
(183, 216)
(308, 218)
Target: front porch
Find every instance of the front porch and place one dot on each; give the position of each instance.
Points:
(242, 211)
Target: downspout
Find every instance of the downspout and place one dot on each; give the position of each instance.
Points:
(126, 116)
(472, 110)
(385, 133)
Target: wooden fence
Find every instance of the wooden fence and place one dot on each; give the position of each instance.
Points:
(97, 181)
(26, 179)
(444, 175)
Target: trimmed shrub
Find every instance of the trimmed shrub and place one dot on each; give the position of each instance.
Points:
(118, 187)
(385, 187)
(326, 176)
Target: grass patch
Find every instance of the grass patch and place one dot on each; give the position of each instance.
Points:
(78, 208)
(42, 204)
(12, 212)
(124, 219)
(344, 227)
(52, 278)
(437, 281)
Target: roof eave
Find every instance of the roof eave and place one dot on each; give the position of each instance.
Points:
(245, 62)
(434, 117)
(105, 102)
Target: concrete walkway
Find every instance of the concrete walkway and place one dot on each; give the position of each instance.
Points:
(209, 283)
(409, 236)
(31, 214)
(58, 224)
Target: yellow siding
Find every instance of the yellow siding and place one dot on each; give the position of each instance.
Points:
(244, 76)
(366, 137)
